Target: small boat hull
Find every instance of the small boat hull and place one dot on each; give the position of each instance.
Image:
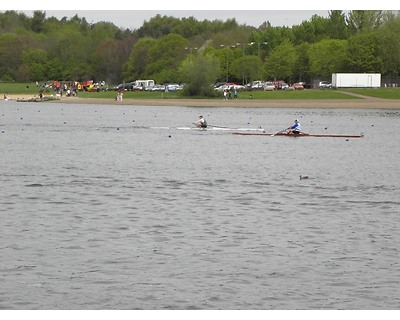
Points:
(302, 135)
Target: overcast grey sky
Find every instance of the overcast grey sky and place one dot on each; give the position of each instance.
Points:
(132, 14)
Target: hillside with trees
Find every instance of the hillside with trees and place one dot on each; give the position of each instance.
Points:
(199, 53)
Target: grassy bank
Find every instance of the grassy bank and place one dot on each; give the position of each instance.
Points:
(304, 94)
(383, 93)
(313, 94)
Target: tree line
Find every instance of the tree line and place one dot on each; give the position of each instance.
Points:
(185, 50)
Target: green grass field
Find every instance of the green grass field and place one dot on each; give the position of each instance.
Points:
(18, 88)
(384, 93)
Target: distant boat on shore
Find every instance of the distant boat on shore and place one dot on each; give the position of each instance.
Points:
(38, 99)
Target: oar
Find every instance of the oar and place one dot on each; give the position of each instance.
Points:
(278, 132)
(209, 125)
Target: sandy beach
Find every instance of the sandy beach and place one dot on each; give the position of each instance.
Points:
(361, 103)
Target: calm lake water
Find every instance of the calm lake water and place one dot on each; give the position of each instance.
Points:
(113, 207)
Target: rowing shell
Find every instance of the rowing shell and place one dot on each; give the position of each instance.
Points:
(212, 129)
(296, 135)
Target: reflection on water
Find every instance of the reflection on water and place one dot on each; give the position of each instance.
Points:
(100, 211)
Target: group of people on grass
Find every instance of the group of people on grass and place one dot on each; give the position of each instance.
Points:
(119, 96)
(228, 94)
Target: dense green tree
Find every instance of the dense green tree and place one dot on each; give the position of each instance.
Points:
(156, 59)
(11, 21)
(111, 55)
(199, 73)
(70, 46)
(236, 37)
(281, 63)
(312, 31)
(38, 20)
(363, 53)
(11, 47)
(389, 46)
(35, 61)
(139, 59)
(302, 66)
(165, 57)
(247, 68)
(327, 57)
(273, 36)
(55, 69)
(337, 28)
(258, 44)
(52, 26)
(364, 20)
(160, 26)
(226, 56)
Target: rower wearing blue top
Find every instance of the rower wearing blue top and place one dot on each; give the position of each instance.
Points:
(294, 129)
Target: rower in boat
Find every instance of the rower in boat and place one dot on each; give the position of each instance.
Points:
(201, 123)
(294, 129)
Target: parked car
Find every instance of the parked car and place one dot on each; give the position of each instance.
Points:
(218, 84)
(325, 85)
(281, 85)
(158, 87)
(226, 86)
(297, 86)
(256, 85)
(239, 87)
(172, 87)
(269, 86)
(123, 86)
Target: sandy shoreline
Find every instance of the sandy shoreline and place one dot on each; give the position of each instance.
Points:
(363, 103)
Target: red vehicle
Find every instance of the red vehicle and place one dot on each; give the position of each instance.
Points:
(298, 86)
(281, 85)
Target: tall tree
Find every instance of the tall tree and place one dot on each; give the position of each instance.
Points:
(199, 72)
(247, 68)
(112, 54)
(35, 61)
(337, 25)
(275, 36)
(281, 63)
(302, 66)
(139, 59)
(38, 20)
(364, 20)
(363, 53)
(314, 30)
(11, 47)
(327, 57)
(389, 46)
(11, 21)
(165, 57)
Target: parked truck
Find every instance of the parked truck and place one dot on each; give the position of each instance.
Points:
(356, 80)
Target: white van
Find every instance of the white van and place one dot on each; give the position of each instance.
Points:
(143, 84)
